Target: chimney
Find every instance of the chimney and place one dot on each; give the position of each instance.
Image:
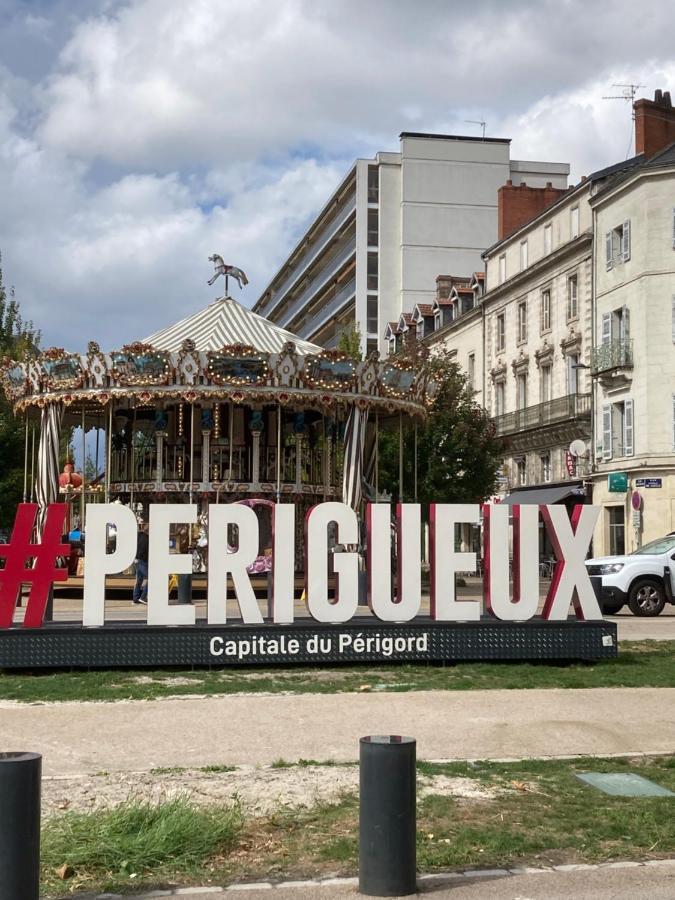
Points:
(654, 124)
(517, 204)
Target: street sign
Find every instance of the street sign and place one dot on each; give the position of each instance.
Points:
(636, 500)
(649, 482)
(617, 482)
(637, 518)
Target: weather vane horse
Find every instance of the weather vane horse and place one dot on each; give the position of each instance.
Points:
(226, 271)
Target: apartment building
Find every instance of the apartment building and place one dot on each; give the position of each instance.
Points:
(394, 222)
(633, 359)
(538, 338)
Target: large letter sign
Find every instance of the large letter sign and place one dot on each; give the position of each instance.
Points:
(334, 551)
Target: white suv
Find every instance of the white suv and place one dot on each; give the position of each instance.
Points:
(645, 579)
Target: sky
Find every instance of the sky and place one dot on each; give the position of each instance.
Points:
(137, 138)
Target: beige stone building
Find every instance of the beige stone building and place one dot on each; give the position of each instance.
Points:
(633, 360)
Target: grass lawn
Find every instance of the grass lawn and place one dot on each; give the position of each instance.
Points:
(537, 814)
(639, 664)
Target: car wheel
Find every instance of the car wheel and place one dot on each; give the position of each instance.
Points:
(646, 598)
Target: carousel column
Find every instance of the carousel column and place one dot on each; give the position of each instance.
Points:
(84, 471)
(159, 456)
(299, 426)
(108, 453)
(256, 428)
(206, 457)
(278, 452)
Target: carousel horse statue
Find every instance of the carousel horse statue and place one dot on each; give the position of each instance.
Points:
(227, 271)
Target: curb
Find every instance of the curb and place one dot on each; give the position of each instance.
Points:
(439, 878)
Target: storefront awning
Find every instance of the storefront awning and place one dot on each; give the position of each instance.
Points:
(545, 496)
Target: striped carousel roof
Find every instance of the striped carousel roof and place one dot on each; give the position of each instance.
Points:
(226, 322)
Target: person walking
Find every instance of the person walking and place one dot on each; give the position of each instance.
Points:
(140, 594)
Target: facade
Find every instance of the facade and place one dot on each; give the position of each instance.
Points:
(538, 338)
(633, 360)
(393, 224)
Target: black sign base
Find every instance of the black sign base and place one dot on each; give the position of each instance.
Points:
(305, 643)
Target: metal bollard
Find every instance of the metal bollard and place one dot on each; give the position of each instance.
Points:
(20, 775)
(387, 816)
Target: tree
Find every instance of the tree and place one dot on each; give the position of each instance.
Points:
(350, 342)
(17, 338)
(458, 452)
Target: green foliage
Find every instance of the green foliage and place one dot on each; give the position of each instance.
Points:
(458, 452)
(17, 339)
(350, 342)
(137, 839)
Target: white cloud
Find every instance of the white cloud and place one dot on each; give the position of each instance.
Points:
(148, 134)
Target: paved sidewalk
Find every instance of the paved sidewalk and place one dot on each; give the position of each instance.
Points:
(616, 881)
(80, 738)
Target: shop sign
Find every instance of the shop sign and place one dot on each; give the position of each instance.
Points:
(325, 524)
(617, 482)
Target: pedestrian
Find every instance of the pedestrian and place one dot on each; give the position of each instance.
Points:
(184, 545)
(140, 594)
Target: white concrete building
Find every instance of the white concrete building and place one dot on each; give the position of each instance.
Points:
(392, 225)
(633, 361)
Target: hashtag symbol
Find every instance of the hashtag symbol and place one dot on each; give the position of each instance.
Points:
(32, 563)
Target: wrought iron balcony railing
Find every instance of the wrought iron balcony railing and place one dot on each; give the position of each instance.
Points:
(613, 355)
(573, 406)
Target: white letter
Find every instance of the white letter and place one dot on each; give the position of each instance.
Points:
(525, 561)
(345, 565)
(283, 597)
(216, 642)
(223, 562)
(162, 564)
(445, 562)
(408, 553)
(98, 562)
(570, 582)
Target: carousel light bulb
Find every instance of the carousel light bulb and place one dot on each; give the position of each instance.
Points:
(216, 420)
(180, 420)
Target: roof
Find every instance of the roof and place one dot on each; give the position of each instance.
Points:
(225, 322)
(621, 172)
(544, 496)
(459, 289)
(454, 137)
(425, 309)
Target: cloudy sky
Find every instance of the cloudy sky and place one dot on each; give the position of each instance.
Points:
(138, 137)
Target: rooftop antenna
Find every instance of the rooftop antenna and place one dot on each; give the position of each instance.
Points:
(480, 122)
(628, 92)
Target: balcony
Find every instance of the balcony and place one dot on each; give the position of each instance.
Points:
(553, 412)
(331, 267)
(613, 355)
(314, 250)
(333, 306)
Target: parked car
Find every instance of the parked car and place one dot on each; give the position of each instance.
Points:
(645, 579)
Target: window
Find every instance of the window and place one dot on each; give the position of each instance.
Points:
(574, 222)
(371, 315)
(522, 391)
(548, 238)
(572, 297)
(500, 336)
(371, 279)
(617, 429)
(419, 328)
(502, 268)
(523, 255)
(616, 327)
(572, 373)
(521, 471)
(373, 227)
(522, 321)
(471, 371)
(617, 528)
(545, 380)
(499, 398)
(617, 245)
(545, 316)
(545, 460)
(373, 184)
(437, 319)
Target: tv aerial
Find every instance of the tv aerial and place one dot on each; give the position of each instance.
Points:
(481, 122)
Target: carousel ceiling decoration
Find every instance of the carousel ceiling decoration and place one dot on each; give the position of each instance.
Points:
(222, 353)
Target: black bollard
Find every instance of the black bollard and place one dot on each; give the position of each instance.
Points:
(20, 775)
(387, 816)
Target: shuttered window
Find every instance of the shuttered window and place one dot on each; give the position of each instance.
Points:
(606, 328)
(628, 428)
(607, 431)
(609, 258)
(625, 241)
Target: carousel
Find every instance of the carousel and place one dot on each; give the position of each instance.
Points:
(221, 407)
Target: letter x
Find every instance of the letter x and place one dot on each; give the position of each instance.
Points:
(570, 582)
